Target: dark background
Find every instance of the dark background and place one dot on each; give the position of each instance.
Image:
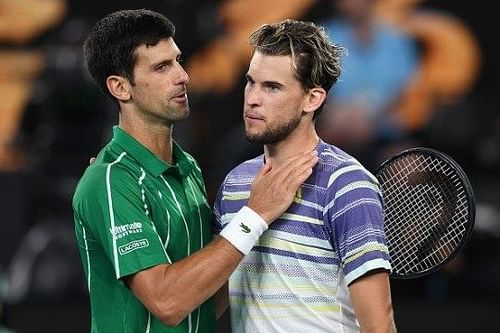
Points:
(66, 121)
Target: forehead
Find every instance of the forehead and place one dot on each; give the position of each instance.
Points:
(269, 67)
(165, 49)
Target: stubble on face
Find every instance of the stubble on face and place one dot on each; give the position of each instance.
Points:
(160, 87)
(273, 134)
(177, 113)
(273, 99)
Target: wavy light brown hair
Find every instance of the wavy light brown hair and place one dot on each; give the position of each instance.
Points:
(316, 60)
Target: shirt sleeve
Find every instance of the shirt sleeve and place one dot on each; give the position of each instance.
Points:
(113, 206)
(355, 221)
(217, 211)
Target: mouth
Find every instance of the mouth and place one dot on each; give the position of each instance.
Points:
(180, 98)
(253, 117)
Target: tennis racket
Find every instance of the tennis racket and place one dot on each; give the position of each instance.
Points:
(429, 210)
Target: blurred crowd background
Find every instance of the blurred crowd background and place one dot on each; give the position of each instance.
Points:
(416, 73)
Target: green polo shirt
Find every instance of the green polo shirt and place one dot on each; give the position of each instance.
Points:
(133, 211)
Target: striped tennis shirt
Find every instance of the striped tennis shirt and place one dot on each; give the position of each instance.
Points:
(295, 279)
(134, 211)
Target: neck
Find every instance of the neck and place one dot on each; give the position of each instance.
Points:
(157, 137)
(302, 139)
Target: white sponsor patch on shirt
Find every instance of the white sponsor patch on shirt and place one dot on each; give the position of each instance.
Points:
(120, 231)
(132, 246)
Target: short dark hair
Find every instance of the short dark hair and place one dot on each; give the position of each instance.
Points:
(315, 58)
(110, 45)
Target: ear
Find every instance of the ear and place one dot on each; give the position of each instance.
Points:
(119, 87)
(315, 97)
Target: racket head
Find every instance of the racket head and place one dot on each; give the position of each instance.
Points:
(429, 210)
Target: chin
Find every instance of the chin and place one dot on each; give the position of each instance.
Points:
(252, 135)
(183, 115)
(255, 138)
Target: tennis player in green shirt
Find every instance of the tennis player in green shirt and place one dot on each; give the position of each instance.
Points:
(142, 221)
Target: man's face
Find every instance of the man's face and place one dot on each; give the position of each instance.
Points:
(160, 91)
(274, 99)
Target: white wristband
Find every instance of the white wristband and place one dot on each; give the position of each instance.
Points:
(244, 229)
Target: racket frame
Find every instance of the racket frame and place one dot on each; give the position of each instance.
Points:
(470, 202)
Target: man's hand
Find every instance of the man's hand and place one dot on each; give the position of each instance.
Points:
(274, 188)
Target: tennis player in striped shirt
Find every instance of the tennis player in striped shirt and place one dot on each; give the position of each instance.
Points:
(323, 265)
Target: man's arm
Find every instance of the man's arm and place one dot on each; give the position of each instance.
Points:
(371, 299)
(171, 292)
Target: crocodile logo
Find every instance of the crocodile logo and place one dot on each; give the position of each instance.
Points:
(245, 228)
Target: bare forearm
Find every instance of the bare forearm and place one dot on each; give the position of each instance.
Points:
(174, 291)
(196, 278)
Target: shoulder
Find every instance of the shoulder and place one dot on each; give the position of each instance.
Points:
(108, 171)
(336, 167)
(330, 155)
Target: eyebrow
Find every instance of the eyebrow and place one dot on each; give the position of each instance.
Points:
(166, 61)
(266, 83)
(161, 62)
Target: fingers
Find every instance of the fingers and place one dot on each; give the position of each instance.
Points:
(296, 169)
(302, 171)
(92, 160)
(274, 188)
(300, 177)
(264, 170)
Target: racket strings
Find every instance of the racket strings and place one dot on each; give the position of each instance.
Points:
(426, 211)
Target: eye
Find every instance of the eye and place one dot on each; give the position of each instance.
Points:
(250, 82)
(272, 87)
(161, 67)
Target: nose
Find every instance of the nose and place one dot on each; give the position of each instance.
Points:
(183, 77)
(251, 96)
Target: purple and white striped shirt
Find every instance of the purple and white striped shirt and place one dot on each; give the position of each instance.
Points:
(295, 278)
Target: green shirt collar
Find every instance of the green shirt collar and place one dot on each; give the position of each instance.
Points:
(148, 159)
